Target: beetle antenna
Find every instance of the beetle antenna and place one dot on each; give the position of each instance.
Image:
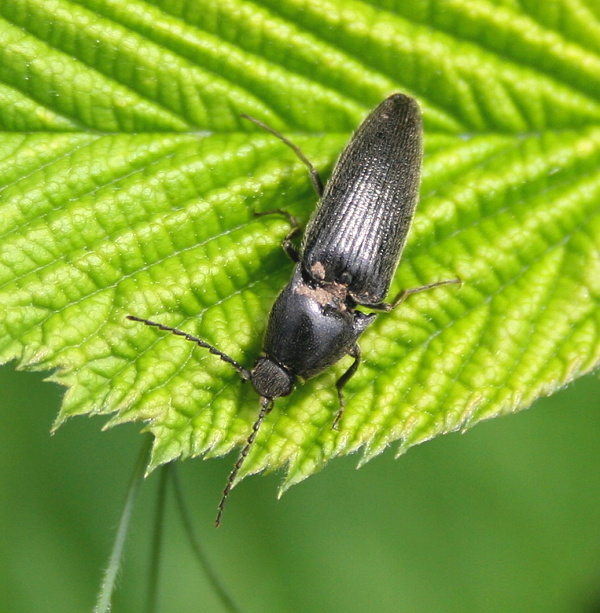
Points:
(266, 404)
(245, 374)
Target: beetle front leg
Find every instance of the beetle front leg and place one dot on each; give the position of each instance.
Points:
(405, 293)
(355, 353)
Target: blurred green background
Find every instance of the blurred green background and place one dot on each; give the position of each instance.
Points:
(503, 518)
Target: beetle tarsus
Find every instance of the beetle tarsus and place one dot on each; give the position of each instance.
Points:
(341, 382)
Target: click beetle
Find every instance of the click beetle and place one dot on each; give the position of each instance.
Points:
(347, 259)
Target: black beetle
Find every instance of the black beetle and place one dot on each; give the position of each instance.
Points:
(348, 256)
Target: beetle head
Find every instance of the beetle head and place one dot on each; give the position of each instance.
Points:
(271, 380)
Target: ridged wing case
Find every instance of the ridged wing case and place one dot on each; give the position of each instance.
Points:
(358, 231)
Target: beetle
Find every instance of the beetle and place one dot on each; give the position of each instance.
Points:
(347, 258)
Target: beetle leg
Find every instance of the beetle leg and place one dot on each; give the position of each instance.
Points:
(405, 293)
(289, 247)
(355, 353)
(314, 175)
(287, 244)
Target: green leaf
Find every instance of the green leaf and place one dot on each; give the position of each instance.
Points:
(128, 184)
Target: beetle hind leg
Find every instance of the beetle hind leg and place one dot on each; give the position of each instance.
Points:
(314, 175)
